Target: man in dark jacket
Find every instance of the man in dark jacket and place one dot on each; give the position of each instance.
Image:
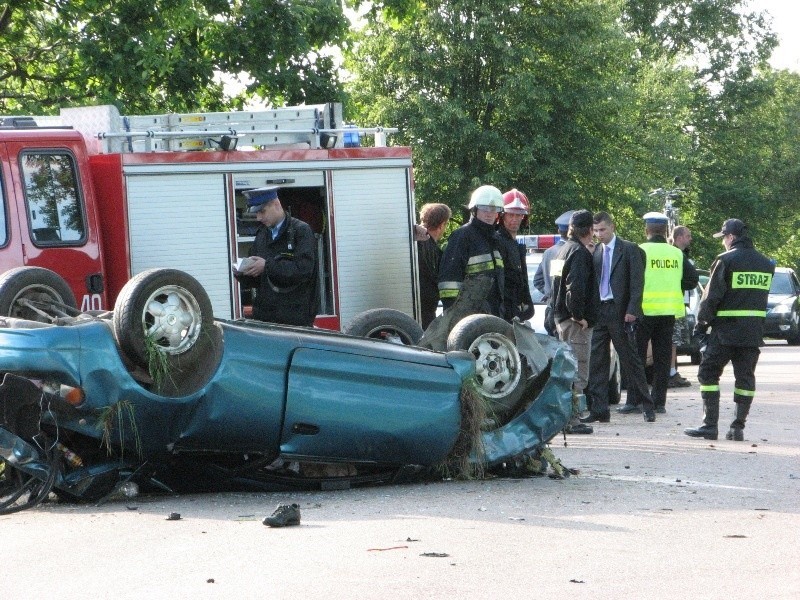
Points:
(518, 301)
(434, 218)
(575, 303)
(282, 264)
(734, 305)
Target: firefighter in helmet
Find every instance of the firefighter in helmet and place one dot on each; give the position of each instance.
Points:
(517, 293)
(471, 270)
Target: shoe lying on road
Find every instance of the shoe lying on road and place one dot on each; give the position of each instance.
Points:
(285, 514)
(678, 380)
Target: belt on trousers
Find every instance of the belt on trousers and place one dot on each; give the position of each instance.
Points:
(607, 301)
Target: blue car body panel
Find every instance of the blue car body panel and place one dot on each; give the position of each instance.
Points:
(277, 392)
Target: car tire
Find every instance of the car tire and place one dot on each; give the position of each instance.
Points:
(164, 316)
(38, 285)
(793, 339)
(385, 324)
(499, 375)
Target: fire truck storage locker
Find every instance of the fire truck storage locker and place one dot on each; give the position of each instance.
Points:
(188, 217)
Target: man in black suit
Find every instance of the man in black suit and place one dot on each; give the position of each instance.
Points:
(619, 274)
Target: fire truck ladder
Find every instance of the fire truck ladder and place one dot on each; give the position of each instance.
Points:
(312, 126)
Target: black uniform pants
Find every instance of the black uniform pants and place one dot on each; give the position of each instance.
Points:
(717, 356)
(656, 331)
(609, 329)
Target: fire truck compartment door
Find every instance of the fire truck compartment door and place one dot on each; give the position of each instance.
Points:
(375, 256)
(179, 221)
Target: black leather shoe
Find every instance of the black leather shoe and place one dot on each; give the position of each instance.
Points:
(626, 409)
(597, 418)
(578, 428)
(705, 432)
(650, 416)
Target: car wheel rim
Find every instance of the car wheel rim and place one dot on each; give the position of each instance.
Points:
(497, 364)
(172, 319)
(31, 297)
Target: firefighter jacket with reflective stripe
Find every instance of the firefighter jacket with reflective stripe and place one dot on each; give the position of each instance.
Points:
(575, 291)
(663, 274)
(735, 299)
(517, 291)
(472, 250)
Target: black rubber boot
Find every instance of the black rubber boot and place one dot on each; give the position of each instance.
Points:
(736, 432)
(708, 430)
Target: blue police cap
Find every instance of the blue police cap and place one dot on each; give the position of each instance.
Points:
(257, 197)
(563, 220)
(653, 218)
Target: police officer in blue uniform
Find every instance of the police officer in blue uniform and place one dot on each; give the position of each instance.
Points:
(282, 265)
(734, 306)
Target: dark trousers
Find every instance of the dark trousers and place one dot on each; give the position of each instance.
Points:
(610, 329)
(656, 331)
(717, 356)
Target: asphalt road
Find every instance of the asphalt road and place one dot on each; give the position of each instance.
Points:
(653, 514)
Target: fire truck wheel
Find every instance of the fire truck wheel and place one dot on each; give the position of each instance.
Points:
(498, 366)
(28, 292)
(164, 316)
(385, 324)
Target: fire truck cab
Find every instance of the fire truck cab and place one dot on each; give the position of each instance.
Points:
(98, 197)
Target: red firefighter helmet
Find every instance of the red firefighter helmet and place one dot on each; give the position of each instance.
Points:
(516, 203)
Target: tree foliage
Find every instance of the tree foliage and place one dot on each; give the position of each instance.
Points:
(583, 103)
(164, 55)
(513, 94)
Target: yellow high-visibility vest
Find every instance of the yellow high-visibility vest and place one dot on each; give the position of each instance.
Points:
(662, 295)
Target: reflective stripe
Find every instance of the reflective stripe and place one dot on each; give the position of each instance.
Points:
(480, 258)
(449, 289)
(742, 313)
(741, 392)
(486, 266)
(709, 388)
(751, 280)
(556, 267)
(484, 262)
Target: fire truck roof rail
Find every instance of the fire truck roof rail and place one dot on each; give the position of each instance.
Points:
(311, 126)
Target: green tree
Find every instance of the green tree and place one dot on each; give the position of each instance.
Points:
(749, 168)
(524, 95)
(146, 56)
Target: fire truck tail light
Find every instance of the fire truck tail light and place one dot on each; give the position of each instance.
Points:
(73, 395)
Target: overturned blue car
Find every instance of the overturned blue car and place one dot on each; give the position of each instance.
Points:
(159, 394)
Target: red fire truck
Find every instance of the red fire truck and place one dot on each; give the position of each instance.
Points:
(97, 197)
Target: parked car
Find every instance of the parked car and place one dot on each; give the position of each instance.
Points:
(783, 307)
(615, 384)
(160, 394)
(689, 346)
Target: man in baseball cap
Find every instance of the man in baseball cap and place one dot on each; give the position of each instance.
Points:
(733, 227)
